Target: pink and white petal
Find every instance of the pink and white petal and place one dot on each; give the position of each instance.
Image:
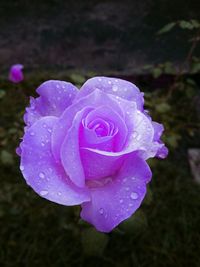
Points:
(120, 198)
(93, 100)
(117, 87)
(55, 97)
(41, 172)
(69, 153)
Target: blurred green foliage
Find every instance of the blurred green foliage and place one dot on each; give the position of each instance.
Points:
(163, 232)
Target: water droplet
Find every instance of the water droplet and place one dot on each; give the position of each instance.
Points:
(101, 211)
(109, 82)
(135, 134)
(43, 144)
(124, 180)
(32, 133)
(121, 201)
(44, 125)
(138, 137)
(59, 193)
(134, 195)
(70, 95)
(127, 188)
(115, 88)
(44, 192)
(21, 168)
(41, 175)
(100, 79)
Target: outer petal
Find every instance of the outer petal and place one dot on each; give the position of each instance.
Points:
(118, 87)
(40, 170)
(55, 97)
(162, 151)
(120, 198)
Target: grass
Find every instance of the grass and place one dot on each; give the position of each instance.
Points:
(35, 232)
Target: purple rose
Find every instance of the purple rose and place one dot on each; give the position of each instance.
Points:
(90, 147)
(16, 74)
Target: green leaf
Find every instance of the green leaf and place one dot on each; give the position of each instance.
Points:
(157, 72)
(93, 242)
(172, 140)
(2, 93)
(167, 28)
(77, 78)
(6, 158)
(163, 107)
(195, 67)
(168, 68)
(195, 23)
(186, 25)
(136, 224)
(149, 197)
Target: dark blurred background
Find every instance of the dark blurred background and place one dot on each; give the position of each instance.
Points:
(114, 36)
(74, 40)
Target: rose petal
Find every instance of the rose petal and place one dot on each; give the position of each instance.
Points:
(108, 115)
(40, 170)
(140, 137)
(158, 130)
(120, 198)
(70, 156)
(95, 99)
(117, 87)
(55, 97)
(97, 165)
(162, 151)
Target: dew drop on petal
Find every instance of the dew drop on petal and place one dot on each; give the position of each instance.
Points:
(134, 134)
(32, 133)
(121, 201)
(44, 192)
(21, 168)
(138, 137)
(41, 175)
(115, 88)
(134, 195)
(101, 211)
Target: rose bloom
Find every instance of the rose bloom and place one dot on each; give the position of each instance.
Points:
(16, 74)
(90, 147)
